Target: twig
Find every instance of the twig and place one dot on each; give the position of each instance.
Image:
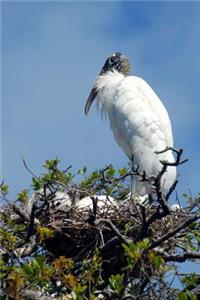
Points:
(196, 290)
(28, 169)
(102, 172)
(114, 228)
(20, 212)
(34, 295)
(71, 189)
(179, 257)
(30, 229)
(174, 231)
(112, 242)
(178, 156)
(172, 188)
(67, 169)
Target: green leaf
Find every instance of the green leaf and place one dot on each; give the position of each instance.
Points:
(51, 164)
(4, 189)
(187, 295)
(36, 183)
(122, 171)
(183, 296)
(23, 196)
(116, 283)
(78, 292)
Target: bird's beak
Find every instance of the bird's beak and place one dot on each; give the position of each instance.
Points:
(90, 100)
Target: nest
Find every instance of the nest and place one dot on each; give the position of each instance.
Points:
(77, 232)
(80, 229)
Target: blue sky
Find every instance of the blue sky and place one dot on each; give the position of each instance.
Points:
(51, 55)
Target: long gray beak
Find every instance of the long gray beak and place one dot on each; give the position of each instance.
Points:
(90, 100)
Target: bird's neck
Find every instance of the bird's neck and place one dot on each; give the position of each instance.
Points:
(106, 85)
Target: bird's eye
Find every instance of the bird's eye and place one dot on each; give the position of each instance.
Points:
(112, 59)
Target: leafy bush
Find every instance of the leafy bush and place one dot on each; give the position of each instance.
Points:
(53, 249)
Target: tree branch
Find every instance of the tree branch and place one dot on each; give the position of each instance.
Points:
(174, 231)
(114, 228)
(179, 257)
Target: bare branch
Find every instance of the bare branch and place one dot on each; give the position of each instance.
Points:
(20, 212)
(114, 228)
(174, 231)
(172, 188)
(196, 291)
(178, 156)
(34, 295)
(28, 169)
(72, 189)
(179, 257)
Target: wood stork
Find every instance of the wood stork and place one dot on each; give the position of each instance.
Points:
(138, 119)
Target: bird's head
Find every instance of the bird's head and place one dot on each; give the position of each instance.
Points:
(116, 62)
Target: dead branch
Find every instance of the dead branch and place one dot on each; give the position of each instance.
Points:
(28, 169)
(178, 152)
(173, 232)
(76, 232)
(196, 291)
(34, 295)
(20, 212)
(179, 257)
(114, 229)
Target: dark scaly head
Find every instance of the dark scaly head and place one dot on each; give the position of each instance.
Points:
(116, 62)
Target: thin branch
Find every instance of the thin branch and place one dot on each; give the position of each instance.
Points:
(112, 242)
(20, 212)
(172, 188)
(174, 231)
(28, 169)
(114, 228)
(196, 290)
(67, 169)
(179, 257)
(30, 229)
(34, 295)
(71, 189)
(178, 156)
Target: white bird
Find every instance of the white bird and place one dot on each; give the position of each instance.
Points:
(138, 119)
(175, 207)
(104, 202)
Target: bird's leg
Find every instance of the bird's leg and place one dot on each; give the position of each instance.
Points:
(132, 205)
(132, 169)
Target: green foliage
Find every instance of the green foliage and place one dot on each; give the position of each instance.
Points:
(63, 267)
(108, 184)
(91, 270)
(4, 189)
(37, 272)
(44, 232)
(36, 184)
(3, 268)
(53, 176)
(187, 295)
(82, 171)
(15, 281)
(51, 165)
(7, 239)
(82, 278)
(156, 260)
(78, 292)
(23, 196)
(116, 284)
(191, 280)
(134, 251)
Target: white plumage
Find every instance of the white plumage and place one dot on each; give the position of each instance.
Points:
(138, 119)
